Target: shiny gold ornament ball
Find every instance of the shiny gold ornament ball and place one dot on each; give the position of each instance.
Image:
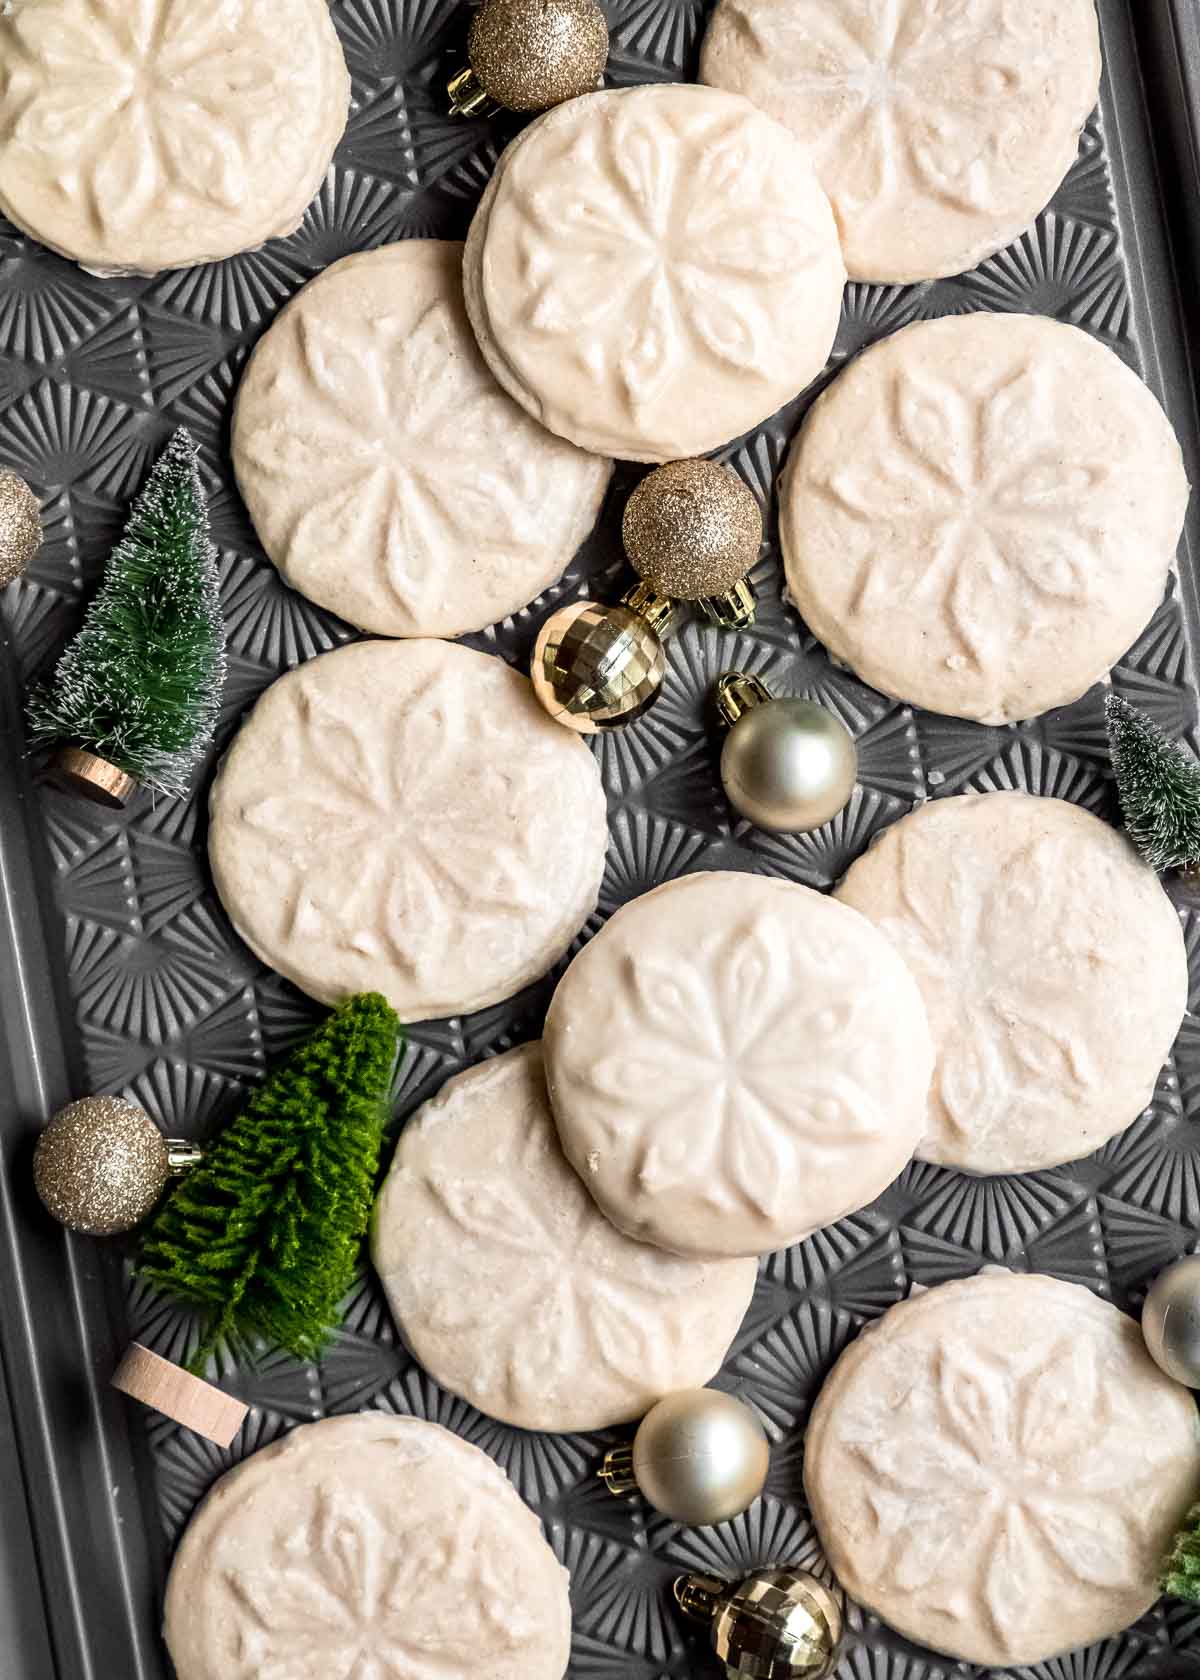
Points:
(531, 54)
(101, 1165)
(787, 765)
(597, 667)
(20, 526)
(692, 529)
(700, 1456)
(777, 1624)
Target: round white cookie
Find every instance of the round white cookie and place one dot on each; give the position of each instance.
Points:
(511, 1287)
(653, 271)
(735, 1061)
(938, 132)
(403, 817)
(138, 135)
(997, 1467)
(389, 477)
(366, 1545)
(1024, 920)
(980, 513)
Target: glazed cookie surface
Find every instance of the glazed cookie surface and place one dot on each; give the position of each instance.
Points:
(979, 515)
(997, 1468)
(366, 1545)
(511, 1287)
(1023, 919)
(734, 1062)
(653, 271)
(139, 135)
(389, 477)
(938, 132)
(403, 817)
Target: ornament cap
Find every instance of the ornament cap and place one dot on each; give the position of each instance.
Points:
(182, 1156)
(699, 1596)
(93, 777)
(658, 610)
(617, 1471)
(737, 693)
(187, 1399)
(468, 96)
(734, 610)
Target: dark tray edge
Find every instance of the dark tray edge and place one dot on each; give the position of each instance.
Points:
(78, 1522)
(1156, 182)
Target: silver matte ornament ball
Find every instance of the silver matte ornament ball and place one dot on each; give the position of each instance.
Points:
(787, 765)
(699, 1457)
(20, 526)
(102, 1164)
(777, 1624)
(1171, 1320)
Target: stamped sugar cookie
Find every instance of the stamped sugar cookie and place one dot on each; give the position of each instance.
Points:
(366, 1546)
(138, 135)
(735, 1061)
(509, 1284)
(1024, 920)
(938, 132)
(653, 271)
(997, 1468)
(387, 474)
(403, 817)
(979, 515)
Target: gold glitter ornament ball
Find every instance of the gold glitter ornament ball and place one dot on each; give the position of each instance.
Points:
(20, 526)
(531, 54)
(100, 1165)
(692, 529)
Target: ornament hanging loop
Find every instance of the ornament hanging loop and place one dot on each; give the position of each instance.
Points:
(182, 1156)
(657, 610)
(469, 97)
(734, 610)
(699, 1596)
(737, 692)
(617, 1471)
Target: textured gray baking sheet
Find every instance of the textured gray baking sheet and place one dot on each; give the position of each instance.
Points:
(119, 972)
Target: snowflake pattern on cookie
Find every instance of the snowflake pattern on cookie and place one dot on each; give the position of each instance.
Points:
(1003, 526)
(952, 121)
(725, 1069)
(113, 108)
(511, 1286)
(685, 233)
(389, 476)
(339, 1598)
(997, 1470)
(371, 827)
(1020, 918)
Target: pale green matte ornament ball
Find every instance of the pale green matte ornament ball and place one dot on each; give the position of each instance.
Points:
(787, 765)
(1171, 1320)
(699, 1457)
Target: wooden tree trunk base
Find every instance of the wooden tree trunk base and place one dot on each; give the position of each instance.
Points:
(169, 1389)
(94, 778)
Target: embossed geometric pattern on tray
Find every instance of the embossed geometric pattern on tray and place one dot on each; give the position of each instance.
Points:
(172, 1009)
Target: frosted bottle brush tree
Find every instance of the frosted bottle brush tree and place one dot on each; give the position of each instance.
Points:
(134, 699)
(1159, 787)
